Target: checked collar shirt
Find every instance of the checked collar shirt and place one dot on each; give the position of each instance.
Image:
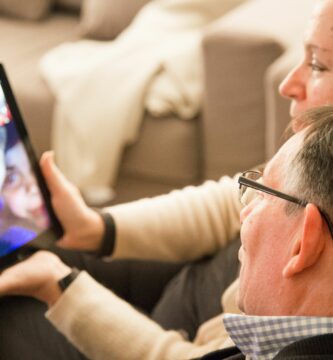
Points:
(262, 337)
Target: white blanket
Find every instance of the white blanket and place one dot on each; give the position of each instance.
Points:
(103, 88)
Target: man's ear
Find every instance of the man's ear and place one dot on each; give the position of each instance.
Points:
(308, 248)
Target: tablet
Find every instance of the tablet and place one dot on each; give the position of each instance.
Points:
(27, 221)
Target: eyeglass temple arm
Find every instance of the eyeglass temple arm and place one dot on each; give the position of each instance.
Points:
(257, 186)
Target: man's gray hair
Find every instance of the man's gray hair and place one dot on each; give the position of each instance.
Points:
(310, 173)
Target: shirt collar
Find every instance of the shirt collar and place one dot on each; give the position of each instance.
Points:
(262, 337)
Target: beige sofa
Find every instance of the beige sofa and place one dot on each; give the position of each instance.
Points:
(230, 135)
(248, 53)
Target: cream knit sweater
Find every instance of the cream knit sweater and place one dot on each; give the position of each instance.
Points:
(182, 225)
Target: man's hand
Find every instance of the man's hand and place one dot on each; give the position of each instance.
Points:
(37, 276)
(83, 227)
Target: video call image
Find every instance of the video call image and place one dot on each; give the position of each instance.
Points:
(22, 210)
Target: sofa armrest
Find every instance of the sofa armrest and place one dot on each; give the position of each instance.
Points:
(234, 101)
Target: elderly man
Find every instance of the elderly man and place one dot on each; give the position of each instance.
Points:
(286, 265)
(286, 253)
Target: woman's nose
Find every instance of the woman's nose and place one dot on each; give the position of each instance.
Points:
(293, 86)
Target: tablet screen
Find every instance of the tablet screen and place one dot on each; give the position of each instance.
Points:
(25, 210)
(23, 213)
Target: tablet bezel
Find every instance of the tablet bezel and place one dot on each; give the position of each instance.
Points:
(55, 231)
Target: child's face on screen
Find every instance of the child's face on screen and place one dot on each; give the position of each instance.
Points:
(20, 189)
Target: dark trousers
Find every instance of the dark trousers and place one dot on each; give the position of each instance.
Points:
(177, 296)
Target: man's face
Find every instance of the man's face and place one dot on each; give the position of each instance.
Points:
(310, 84)
(267, 232)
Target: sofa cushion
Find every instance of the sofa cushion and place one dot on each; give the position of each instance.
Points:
(170, 141)
(26, 9)
(105, 19)
(167, 151)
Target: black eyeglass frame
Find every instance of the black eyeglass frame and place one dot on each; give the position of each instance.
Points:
(242, 180)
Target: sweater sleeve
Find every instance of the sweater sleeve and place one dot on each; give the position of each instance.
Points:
(103, 327)
(183, 225)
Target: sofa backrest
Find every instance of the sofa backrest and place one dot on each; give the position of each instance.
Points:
(240, 52)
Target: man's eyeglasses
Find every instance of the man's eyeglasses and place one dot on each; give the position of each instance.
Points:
(249, 179)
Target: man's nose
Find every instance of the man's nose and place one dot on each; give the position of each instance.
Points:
(293, 86)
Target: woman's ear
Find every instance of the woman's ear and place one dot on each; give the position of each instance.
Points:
(308, 247)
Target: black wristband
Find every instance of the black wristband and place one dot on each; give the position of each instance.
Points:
(68, 279)
(109, 236)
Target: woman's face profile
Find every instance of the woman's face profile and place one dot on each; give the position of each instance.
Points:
(20, 190)
(310, 84)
